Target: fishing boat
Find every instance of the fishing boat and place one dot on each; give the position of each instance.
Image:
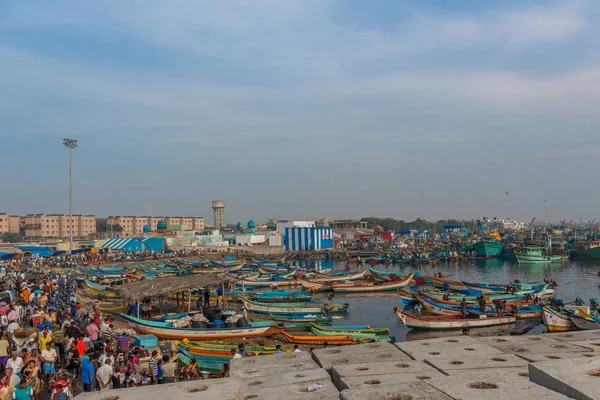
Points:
(583, 321)
(438, 307)
(556, 321)
(393, 276)
(446, 284)
(105, 274)
(536, 255)
(112, 310)
(289, 308)
(279, 296)
(101, 294)
(488, 249)
(353, 334)
(357, 329)
(204, 364)
(371, 287)
(220, 350)
(408, 298)
(165, 330)
(314, 286)
(320, 340)
(450, 322)
(589, 250)
(301, 318)
(319, 278)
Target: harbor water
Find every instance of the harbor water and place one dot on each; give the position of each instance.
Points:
(575, 279)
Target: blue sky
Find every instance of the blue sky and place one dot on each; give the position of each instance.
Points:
(297, 108)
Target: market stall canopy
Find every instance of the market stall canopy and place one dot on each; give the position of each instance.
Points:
(139, 290)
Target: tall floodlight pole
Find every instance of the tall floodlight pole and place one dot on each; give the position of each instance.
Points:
(70, 144)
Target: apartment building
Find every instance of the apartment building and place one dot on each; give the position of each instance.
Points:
(9, 223)
(59, 226)
(126, 224)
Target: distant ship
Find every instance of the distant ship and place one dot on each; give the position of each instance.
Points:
(488, 248)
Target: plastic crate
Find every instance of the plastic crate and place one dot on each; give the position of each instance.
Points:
(145, 340)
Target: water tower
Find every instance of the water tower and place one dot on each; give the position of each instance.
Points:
(218, 206)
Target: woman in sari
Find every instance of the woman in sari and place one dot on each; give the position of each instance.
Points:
(6, 389)
(33, 381)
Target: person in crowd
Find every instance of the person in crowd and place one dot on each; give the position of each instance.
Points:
(23, 392)
(168, 369)
(104, 376)
(242, 350)
(89, 373)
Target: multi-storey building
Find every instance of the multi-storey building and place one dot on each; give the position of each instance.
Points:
(126, 224)
(14, 224)
(198, 224)
(58, 226)
(4, 222)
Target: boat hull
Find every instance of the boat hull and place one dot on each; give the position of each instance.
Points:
(450, 323)
(556, 322)
(142, 326)
(486, 249)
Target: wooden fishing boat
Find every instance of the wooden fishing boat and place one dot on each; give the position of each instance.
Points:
(200, 350)
(449, 322)
(270, 308)
(318, 318)
(394, 276)
(357, 329)
(105, 274)
(112, 310)
(98, 294)
(556, 321)
(357, 335)
(407, 297)
(440, 282)
(319, 340)
(314, 286)
(370, 287)
(205, 364)
(165, 330)
(539, 291)
(583, 320)
(338, 278)
(439, 308)
(279, 296)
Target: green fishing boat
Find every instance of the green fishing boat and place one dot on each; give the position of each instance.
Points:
(536, 255)
(587, 251)
(488, 249)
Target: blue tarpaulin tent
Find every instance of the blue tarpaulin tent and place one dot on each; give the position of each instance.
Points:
(37, 251)
(129, 245)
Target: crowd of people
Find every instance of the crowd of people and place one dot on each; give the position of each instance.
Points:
(51, 342)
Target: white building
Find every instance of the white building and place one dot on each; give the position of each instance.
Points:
(280, 227)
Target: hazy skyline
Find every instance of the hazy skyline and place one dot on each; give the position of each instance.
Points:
(297, 108)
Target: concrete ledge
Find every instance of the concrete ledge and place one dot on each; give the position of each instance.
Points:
(575, 378)
(292, 392)
(574, 336)
(364, 353)
(286, 378)
(214, 389)
(530, 344)
(374, 381)
(408, 390)
(341, 372)
(463, 362)
(274, 359)
(454, 346)
(593, 345)
(493, 384)
(534, 357)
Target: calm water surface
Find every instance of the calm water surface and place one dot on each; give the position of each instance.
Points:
(575, 279)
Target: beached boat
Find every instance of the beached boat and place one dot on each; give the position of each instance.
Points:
(105, 274)
(583, 320)
(165, 330)
(320, 340)
(112, 310)
(101, 294)
(371, 287)
(449, 322)
(314, 286)
(556, 321)
(353, 334)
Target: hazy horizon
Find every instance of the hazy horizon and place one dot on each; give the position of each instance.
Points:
(333, 109)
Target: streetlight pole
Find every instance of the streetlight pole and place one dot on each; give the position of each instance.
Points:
(70, 144)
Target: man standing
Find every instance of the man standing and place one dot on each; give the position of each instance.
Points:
(15, 363)
(243, 351)
(23, 392)
(44, 339)
(153, 366)
(104, 376)
(50, 358)
(93, 332)
(168, 369)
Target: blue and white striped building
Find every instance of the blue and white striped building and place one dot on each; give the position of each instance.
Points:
(304, 239)
(129, 245)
